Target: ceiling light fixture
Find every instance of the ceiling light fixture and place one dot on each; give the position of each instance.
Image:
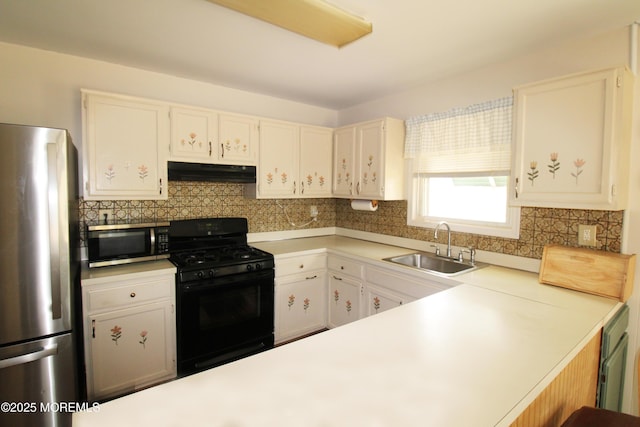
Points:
(315, 19)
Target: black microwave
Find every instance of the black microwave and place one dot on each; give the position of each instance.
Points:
(114, 244)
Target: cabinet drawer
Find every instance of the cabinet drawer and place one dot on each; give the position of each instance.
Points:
(404, 284)
(300, 264)
(346, 266)
(128, 294)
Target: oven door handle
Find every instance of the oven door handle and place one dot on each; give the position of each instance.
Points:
(231, 280)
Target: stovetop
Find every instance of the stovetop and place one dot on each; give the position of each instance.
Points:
(202, 265)
(212, 247)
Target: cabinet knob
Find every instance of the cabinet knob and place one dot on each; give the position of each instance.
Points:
(132, 294)
(301, 265)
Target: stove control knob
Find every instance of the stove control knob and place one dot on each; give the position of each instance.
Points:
(258, 266)
(200, 275)
(249, 267)
(211, 273)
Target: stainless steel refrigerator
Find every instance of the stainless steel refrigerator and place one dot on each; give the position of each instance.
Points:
(38, 276)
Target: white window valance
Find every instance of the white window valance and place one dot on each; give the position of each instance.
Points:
(473, 139)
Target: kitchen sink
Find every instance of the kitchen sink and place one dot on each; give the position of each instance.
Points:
(433, 263)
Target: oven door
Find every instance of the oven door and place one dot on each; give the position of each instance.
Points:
(224, 319)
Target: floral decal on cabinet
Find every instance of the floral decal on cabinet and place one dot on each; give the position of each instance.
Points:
(347, 175)
(116, 333)
(292, 300)
(110, 173)
(534, 171)
(376, 304)
(578, 163)
(310, 179)
(348, 306)
(143, 339)
(306, 304)
(236, 146)
(191, 141)
(336, 296)
(143, 172)
(270, 177)
(554, 166)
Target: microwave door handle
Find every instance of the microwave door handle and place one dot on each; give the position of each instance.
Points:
(152, 240)
(53, 192)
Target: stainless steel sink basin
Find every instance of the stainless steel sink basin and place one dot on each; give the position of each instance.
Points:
(433, 263)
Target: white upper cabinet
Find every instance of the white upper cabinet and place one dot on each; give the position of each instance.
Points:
(571, 140)
(237, 139)
(368, 160)
(125, 147)
(295, 161)
(315, 161)
(207, 136)
(193, 134)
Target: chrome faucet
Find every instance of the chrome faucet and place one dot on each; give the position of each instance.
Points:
(435, 235)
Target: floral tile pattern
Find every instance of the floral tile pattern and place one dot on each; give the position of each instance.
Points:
(538, 226)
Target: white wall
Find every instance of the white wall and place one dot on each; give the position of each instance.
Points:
(42, 88)
(496, 81)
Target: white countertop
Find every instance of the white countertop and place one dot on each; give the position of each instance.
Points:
(474, 355)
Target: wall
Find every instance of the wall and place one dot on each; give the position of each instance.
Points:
(42, 88)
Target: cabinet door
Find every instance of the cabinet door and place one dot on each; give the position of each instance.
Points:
(238, 139)
(370, 155)
(344, 299)
(381, 299)
(193, 133)
(344, 158)
(567, 141)
(315, 162)
(300, 305)
(130, 348)
(126, 147)
(278, 168)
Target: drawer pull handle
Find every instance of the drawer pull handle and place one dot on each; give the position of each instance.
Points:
(312, 277)
(337, 278)
(132, 294)
(93, 328)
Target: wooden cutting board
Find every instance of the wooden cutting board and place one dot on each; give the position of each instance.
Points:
(587, 270)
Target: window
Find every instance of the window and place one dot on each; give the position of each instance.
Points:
(459, 170)
(470, 204)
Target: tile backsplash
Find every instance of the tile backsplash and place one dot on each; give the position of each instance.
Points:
(538, 226)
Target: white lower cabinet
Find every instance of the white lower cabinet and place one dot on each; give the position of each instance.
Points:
(317, 291)
(301, 302)
(346, 290)
(129, 333)
(379, 299)
(300, 296)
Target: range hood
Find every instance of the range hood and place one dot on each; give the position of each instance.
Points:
(182, 171)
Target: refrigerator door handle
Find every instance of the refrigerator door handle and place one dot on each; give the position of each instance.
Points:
(54, 229)
(39, 353)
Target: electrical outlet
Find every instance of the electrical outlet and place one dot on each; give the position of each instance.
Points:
(586, 235)
(313, 211)
(104, 215)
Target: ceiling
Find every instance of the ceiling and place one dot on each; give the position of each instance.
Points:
(414, 42)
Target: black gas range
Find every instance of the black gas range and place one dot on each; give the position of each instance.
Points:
(224, 293)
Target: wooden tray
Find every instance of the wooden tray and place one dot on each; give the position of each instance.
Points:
(587, 270)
